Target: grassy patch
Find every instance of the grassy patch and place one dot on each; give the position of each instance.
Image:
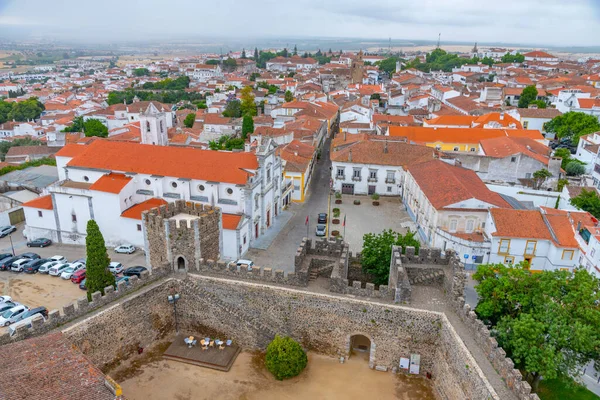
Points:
(560, 389)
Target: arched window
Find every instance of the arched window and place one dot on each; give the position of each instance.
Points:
(147, 126)
(161, 127)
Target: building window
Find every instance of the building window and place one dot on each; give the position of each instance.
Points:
(525, 124)
(470, 225)
(504, 246)
(174, 185)
(356, 173)
(229, 191)
(244, 239)
(340, 172)
(148, 182)
(39, 213)
(372, 174)
(530, 247)
(73, 218)
(161, 127)
(139, 227)
(472, 149)
(593, 252)
(256, 202)
(513, 159)
(528, 175)
(510, 260)
(201, 188)
(453, 225)
(567, 254)
(86, 178)
(389, 189)
(147, 126)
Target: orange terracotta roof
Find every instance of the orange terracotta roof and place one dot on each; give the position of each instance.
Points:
(588, 103)
(452, 120)
(504, 146)
(43, 202)
(457, 135)
(135, 212)
(177, 162)
(111, 183)
(444, 184)
(71, 150)
(231, 221)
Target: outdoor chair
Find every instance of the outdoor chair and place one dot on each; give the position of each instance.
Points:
(228, 342)
(212, 343)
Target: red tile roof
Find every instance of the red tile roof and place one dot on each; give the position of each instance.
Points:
(444, 184)
(49, 367)
(231, 221)
(43, 202)
(457, 135)
(501, 147)
(71, 150)
(111, 183)
(179, 162)
(135, 212)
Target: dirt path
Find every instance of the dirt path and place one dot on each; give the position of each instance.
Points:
(324, 378)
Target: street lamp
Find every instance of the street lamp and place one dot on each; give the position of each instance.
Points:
(173, 300)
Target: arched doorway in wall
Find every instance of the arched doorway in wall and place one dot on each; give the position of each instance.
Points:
(361, 347)
(180, 263)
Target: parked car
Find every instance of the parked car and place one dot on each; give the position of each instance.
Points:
(38, 310)
(125, 249)
(322, 218)
(78, 276)
(82, 285)
(5, 299)
(45, 267)
(61, 259)
(7, 262)
(137, 271)
(8, 305)
(57, 269)
(115, 267)
(5, 255)
(320, 231)
(68, 272)
(241, 262)
(41, 242)
(24, 322)
(7, 230)
(122, 279)
(81, 260)
(12, 315)
(33, 266)
(19, 265)
(32, 256)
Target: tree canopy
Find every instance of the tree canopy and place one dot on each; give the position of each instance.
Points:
(247, 104)
(567, 158)
(539, 177)
(388, 65)
(233, 109)
(528, 95)
(21, 111)
(226, 143)
(182, 82)
(247, 126)
(377, 252)
(285, 358)
(162, 96)
(574, 169)
(573, 125)
(288, 96)
(587, 200)
(439, 59)
(93, 127)
(189, 120)
(510, 58)
(97, 274)
(141, 72)
(546, 322)
(77, 125)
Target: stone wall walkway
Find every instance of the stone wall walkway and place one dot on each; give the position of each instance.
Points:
(431, 298)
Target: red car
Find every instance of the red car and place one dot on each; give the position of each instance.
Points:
(78, 276)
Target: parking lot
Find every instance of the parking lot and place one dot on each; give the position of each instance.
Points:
(37, 290)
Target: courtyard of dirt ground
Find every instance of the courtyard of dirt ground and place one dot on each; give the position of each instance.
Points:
(323, 378)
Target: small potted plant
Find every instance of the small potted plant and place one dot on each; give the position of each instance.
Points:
(375, 198)
(335, 233)
(357, 202)
(338, 198)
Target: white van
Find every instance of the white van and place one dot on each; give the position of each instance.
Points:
(27, 321)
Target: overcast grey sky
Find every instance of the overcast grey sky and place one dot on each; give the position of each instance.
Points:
(550, 22)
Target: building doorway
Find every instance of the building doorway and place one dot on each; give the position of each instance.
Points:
(361, 347)
(347, 188)
(372, 189)
(256, 230)
(180, 263)
(268, 218)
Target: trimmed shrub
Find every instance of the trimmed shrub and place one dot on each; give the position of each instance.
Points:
(285, 358)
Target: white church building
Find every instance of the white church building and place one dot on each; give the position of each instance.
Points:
(114, 182)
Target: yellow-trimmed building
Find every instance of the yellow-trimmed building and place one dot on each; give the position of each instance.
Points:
(298, 160)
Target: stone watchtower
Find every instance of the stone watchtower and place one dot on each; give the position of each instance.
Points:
(357, 68)
(153, 126)
(179, 234)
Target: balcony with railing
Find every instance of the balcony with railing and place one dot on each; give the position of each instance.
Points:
(372, 180)
(390, 180)
(356, 178)
(340, 177)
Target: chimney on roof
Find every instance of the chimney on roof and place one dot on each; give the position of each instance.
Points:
(344, 136)
(350, 156)
(502, 116)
